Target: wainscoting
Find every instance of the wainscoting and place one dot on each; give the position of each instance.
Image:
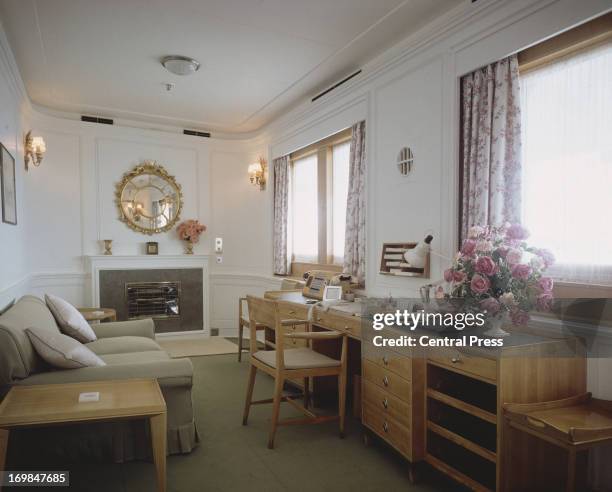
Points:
(226, 289)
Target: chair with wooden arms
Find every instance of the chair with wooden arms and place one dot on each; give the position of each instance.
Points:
(243, 317)
(291, 363)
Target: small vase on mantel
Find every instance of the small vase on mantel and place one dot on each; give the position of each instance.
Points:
(188, 247)
(108, 247)
(189, 231)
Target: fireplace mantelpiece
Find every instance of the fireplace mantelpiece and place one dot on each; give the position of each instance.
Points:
(97, 263)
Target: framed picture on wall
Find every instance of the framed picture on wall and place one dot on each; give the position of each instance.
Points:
(7, 186)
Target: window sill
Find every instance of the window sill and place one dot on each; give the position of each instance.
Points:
(570, 290)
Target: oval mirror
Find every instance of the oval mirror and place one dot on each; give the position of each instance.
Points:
(149, 199)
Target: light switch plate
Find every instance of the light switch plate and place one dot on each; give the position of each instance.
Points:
(218, 245)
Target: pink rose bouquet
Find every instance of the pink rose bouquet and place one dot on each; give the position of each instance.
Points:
(190, 230)
(497, 272)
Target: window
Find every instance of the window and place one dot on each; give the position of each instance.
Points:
(304, 190)
(317, 201)
(340, 180)
(566, 110)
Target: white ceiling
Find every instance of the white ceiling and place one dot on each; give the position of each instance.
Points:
(258, 57)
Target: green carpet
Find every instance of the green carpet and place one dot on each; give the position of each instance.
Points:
(235, 458)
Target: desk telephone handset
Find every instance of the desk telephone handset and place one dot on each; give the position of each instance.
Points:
(317, 280)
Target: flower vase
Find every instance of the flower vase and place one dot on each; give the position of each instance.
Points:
(496, 324)
(189, 248)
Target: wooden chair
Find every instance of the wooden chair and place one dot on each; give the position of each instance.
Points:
(286, 363)
(243, 318)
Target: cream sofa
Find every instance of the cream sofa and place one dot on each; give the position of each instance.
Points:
(129, 350)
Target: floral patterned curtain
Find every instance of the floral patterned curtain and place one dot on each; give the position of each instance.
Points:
(491, 140)
(354, 243)
(281, 208)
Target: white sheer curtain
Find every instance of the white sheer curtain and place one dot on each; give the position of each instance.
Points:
(566, 109)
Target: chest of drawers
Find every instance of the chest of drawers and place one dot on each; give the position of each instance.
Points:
(392, 399)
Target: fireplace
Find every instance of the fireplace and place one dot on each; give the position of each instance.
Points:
(172, 297)
(155, 300)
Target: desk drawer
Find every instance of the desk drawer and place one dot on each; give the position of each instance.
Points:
(388, 428)
(387, 380)
(461, 362)
(387, 404)
(295, 342)
(400, 365)
(350, 325)
(294, 311)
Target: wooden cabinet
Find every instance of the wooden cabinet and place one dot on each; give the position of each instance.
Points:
(392, 399)
(465, 392)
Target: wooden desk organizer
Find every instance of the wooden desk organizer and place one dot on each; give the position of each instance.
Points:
(392, 261)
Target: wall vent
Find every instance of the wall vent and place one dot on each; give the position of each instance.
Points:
(97, 119)
(195, 133)
(335, 86)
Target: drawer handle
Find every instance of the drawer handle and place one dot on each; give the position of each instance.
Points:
(319, 318)
(386, 426)
(386, 381)
(455, 360)
(385, 360)
(385, 403)
(292, 312)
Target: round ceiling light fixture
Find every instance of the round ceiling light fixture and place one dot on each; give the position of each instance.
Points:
(180, 65)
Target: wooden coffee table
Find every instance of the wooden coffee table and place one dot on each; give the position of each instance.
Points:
(53, 404)
(98, 314)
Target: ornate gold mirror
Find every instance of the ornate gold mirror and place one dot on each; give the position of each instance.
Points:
(149, 199)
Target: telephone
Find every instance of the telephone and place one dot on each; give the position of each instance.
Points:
(317, 280)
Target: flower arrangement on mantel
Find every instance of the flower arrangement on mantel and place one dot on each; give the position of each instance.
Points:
(190, 231)
(498, 273)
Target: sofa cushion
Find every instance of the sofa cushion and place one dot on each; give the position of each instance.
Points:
(135, 357)
(70, 321)
(19, 359)
(121, 345)
(61, 350)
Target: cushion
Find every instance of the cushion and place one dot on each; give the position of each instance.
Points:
(135, 357)
(18, 359)
(122, 345)
(7, 307)
(70, 321)
(62, 351)
(300, 358)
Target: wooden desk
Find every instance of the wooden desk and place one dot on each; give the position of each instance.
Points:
(53, 404)
(390, 388)
(421, 403)
(332, 319)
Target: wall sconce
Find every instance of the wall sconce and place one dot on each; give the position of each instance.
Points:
(34, 149)
(257, 173)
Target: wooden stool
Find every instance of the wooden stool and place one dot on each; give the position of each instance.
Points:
(574, 424)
